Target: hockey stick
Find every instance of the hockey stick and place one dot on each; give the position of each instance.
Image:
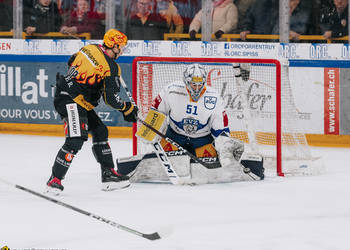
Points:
(163, 158)
(151, 236)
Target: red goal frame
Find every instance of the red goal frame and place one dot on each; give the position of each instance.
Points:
(275, 62)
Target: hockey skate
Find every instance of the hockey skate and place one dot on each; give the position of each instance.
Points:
(54, 186)
(112, 180)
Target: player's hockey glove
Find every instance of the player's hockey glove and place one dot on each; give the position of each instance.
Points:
(129, 112)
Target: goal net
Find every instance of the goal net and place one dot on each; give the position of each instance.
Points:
(261, 107)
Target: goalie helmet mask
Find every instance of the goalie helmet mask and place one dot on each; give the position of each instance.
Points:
(195, 78)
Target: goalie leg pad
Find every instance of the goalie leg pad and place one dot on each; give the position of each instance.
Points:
(127, 165)
(254, 163)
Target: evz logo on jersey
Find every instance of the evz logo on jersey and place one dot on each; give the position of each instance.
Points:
(210, 102)
(190, 125)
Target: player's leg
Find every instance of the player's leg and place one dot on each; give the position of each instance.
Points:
(75, 127)
(101, 149)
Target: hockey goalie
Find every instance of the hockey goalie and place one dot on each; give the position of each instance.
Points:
(192, 115)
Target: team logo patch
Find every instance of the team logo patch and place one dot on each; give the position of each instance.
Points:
(190, 125)
(210, 102)
(69, 157)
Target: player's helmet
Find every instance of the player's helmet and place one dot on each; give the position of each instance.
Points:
(114, 37)
(195, 78)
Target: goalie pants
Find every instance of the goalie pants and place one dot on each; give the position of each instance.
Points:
(188, 143)
(89, 123)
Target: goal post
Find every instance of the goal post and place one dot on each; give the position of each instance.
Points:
(271, 124)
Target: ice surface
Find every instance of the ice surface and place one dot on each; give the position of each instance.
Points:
(291, 213)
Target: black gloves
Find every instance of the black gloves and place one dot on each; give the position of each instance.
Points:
(193, 35)
(218, 34)
(129, 112)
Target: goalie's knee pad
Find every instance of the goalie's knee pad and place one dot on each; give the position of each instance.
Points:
(254, 163)
(103, 154)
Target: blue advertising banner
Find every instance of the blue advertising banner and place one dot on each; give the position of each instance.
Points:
(27, 86)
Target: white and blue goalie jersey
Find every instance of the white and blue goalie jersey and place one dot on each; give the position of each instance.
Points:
(190, 118)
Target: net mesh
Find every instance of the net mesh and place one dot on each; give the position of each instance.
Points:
(251, 106)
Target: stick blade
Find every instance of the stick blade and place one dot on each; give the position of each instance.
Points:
(153, 236)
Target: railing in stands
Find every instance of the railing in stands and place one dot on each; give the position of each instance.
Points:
(86, 36)
(6, 34)
(236, 37)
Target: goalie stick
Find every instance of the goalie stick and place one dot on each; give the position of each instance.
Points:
(151, 236)
(163, 158)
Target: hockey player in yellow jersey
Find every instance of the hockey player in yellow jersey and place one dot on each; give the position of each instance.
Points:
(92, 73)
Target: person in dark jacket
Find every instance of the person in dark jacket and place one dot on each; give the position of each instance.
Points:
(44, 17)
(146, 24)
(260, 18)
(334, 20)
(6, 10)
(299, 22)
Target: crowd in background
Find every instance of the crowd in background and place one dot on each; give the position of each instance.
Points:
(151, 19)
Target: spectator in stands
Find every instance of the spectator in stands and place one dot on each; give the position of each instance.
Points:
(299, 21)
(82, 21)
(168, 11)
(66, 7)
(44, 17)
(242, 6)
(6, 10)
(334, 21)
(145, 24)
(260, 18)
(224, 19)
(100, 8)
(187, 10)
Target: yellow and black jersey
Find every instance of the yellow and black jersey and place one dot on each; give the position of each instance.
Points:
(93, 74)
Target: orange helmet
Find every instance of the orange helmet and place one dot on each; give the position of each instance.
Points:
(114, 37)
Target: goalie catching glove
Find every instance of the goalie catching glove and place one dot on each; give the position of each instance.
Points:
(231, 151)
(129, 112)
